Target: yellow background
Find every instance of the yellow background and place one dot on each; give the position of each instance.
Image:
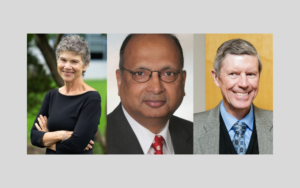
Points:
(264, 46)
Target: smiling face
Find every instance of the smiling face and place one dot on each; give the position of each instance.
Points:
(238, 81)
(70, 66)
(154, 98)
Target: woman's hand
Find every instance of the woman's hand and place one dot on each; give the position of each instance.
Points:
(42, 126)
(89, 146)
(69, 134)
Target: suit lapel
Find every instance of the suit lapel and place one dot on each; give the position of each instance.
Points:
(180, 138)
(124, 139)
(210, 140)
(264, 132)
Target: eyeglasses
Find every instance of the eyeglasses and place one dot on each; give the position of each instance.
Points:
(143, 75)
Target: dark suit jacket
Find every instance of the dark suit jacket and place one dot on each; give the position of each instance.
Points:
(122, 140)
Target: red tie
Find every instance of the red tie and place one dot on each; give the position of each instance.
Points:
(158, 144)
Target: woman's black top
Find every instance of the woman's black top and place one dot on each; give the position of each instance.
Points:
(78, 113)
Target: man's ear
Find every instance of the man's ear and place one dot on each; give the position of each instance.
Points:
(215, 77)
(119, 80)
(184, 78)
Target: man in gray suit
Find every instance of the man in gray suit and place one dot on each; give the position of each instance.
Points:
(235, 126)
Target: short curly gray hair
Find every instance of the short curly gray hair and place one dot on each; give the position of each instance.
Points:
(76, 44)
(235, 47)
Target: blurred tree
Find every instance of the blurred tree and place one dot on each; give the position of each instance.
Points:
(38, 81)
(49, 55)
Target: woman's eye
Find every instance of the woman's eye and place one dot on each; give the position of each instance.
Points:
(232, 74)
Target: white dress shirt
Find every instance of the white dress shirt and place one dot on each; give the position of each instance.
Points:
(146, 137)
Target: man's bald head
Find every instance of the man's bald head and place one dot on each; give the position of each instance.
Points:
(147, 37)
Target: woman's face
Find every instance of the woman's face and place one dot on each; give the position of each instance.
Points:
(70, 66)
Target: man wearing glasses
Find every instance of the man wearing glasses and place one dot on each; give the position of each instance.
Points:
(151, 83)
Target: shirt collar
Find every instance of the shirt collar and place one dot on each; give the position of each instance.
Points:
(146, 137)
(229, 120)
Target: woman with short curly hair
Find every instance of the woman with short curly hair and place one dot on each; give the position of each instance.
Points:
(69, 116)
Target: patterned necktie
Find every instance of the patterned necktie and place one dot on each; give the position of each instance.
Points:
(239, 137)
(158, 144)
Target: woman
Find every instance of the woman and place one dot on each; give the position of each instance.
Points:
(69, 116)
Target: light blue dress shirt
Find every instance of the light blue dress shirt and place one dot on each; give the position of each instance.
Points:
(229, 121)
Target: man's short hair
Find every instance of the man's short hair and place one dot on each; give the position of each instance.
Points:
(124, 44)
(235, 47)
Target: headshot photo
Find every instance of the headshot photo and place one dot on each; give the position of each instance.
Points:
(150, 94)
(66, 93)
(233, 110)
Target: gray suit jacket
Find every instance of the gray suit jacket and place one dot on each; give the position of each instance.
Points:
(207, 131)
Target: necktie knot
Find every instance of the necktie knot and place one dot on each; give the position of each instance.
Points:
(239, 128)
(158, 144)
